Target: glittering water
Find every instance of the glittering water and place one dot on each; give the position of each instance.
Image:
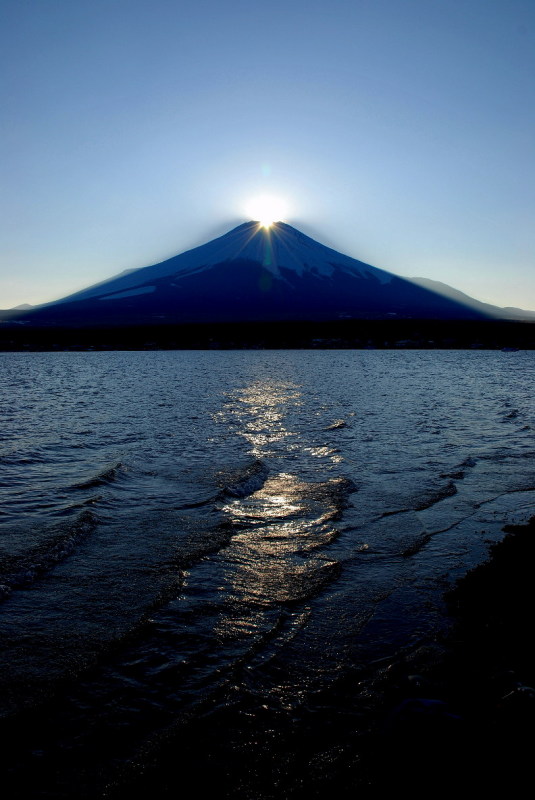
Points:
(189, 534)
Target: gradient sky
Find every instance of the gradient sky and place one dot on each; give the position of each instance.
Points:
(401, 132)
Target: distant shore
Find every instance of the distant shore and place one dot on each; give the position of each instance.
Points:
(396, 334)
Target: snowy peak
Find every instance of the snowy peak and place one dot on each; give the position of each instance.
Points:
(280, 247)
(252, 274)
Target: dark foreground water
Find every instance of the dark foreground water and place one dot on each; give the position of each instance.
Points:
(204, 554)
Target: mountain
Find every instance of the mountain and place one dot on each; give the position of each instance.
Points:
(255, 274)
(509, 312)
(9, 312)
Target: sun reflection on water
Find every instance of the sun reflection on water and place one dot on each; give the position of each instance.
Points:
(278, 551)
(264, 405)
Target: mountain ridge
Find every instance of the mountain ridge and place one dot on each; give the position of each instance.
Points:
(252, 273)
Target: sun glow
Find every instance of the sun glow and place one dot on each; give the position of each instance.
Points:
(267, 209)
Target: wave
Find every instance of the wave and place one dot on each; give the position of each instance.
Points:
(506, 454)
(334, 492)
(432, 499)
(197, 503)
(339, 423)
(427, 501)
(23, 459)
(72, 507)
(456, 475)
(416, 546)
(458, 472)
(100, 479)
(246, 481)
(468, 462)
(518, 490)
(510, 415)
(301, 582)
(393, 513)
(26, 569)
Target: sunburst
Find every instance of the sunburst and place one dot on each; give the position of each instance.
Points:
(267, 209)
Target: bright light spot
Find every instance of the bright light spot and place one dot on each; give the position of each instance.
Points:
(267, 209)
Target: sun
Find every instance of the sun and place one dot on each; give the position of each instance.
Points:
(267, 209)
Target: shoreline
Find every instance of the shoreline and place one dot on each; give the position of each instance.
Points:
(446, 714)
(340, 334)
(459, 712)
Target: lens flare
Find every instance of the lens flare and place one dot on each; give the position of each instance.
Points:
(267, 209)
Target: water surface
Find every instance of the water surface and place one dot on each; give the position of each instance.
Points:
(186, 536)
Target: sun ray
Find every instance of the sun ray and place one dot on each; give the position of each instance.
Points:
(267, 209)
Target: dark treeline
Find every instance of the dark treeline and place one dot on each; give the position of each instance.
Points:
(338, 334)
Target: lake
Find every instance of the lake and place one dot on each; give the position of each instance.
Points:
(204, 554)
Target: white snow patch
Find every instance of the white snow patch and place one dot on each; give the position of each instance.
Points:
(280, 247)
(129, 293)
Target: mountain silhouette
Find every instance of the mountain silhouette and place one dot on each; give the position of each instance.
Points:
(255, 274)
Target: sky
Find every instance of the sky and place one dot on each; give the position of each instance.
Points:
(400, 132)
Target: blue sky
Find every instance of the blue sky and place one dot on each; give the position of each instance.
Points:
(401, 132)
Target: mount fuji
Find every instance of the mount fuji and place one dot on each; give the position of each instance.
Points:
(255, 274)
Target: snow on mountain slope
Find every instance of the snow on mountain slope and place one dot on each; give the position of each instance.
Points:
(254, 274)
(280, 246)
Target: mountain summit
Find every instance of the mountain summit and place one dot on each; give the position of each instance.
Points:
(250, 274)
